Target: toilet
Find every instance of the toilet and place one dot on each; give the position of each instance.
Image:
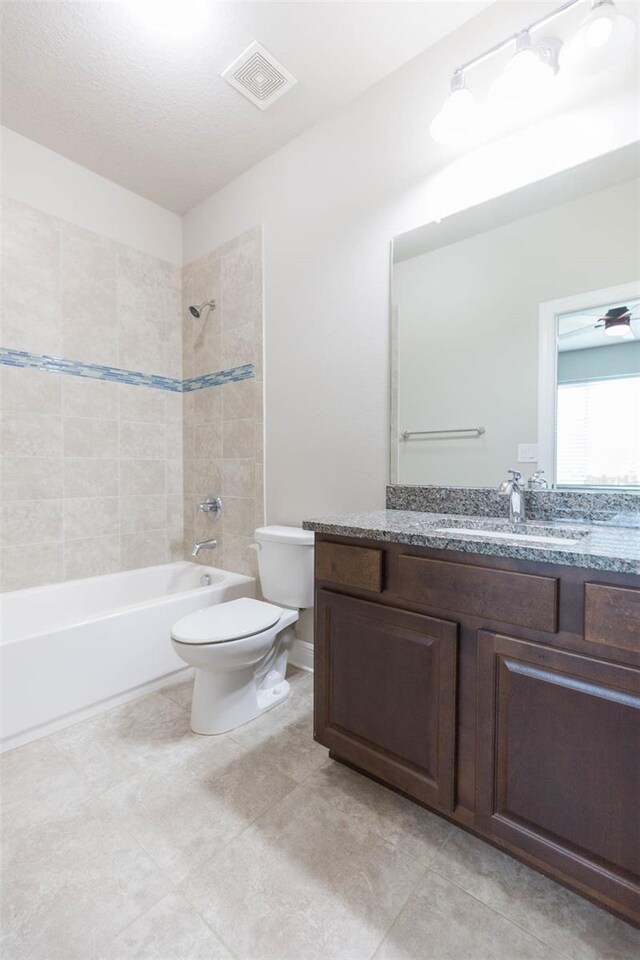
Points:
(240, 648)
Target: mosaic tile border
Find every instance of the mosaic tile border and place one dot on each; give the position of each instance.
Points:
(95, 371)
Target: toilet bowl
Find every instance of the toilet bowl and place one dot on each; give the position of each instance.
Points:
(240, 648)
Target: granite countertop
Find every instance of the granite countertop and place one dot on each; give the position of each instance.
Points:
(599, 546)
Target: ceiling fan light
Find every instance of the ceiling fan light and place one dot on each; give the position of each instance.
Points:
(620, 329)
(601, 42)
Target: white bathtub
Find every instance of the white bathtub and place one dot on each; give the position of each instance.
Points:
(72, 649)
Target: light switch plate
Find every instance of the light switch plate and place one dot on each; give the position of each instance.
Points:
(527, 452)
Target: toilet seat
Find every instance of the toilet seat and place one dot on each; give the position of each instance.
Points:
(231, 620)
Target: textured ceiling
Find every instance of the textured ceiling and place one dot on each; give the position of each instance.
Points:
(152, 113)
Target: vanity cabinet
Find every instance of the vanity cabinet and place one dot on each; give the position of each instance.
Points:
(386, 693)
(503, 694)
(558, 772)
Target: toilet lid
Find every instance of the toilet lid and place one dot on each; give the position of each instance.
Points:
(231, 620)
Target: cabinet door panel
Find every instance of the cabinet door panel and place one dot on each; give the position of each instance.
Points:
(558, 763)
(385, 693)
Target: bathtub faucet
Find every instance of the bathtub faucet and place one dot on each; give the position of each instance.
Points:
(203, 545)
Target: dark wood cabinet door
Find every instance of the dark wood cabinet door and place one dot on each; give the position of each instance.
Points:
(559, 762)
(385, 693)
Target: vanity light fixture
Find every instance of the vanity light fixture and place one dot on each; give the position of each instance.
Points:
(459, 120)
(601, 42)
(529, 74)
(604, 38)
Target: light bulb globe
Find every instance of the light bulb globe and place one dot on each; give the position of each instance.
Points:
(601, 42)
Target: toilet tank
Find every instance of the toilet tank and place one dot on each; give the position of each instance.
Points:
(285, 563)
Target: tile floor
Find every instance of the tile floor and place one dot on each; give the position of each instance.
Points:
(126, 836)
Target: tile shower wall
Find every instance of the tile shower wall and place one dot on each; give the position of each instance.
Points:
(92, 469)
(223, 426)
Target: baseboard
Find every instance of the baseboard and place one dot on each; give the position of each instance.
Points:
(85, 713)
(301, 655)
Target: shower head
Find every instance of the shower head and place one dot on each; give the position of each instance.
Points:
(196, 309)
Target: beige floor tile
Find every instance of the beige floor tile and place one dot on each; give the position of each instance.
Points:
(184, 811)
(304, 881)
(180, 693)
(116, 745)
(170, 930)
(71, 886)
(442, 922)
(562, 919)
(285, 734)
(410, 827)
(38, 785)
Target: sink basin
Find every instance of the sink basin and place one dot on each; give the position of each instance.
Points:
(527, 533)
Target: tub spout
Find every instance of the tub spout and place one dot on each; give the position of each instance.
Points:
(203, 545)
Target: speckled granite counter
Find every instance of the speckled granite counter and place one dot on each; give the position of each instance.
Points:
(598, 547)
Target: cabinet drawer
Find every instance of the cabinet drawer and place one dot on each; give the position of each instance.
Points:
(358, 567)
(519, 598)
(612, 615)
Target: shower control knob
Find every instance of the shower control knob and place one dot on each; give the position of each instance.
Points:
(212, 507)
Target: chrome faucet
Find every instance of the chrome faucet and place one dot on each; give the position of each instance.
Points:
(537, 481)
(514, 489)
(203, 545)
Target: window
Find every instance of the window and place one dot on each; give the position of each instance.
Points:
(598, 432)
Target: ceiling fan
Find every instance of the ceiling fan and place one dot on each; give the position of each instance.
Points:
(616, 322)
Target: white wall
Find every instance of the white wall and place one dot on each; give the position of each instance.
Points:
(330, 201)
(468, 329)
(40, 178)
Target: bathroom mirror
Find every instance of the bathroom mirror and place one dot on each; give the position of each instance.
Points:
(516, 336)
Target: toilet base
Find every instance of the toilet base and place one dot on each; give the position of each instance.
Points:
(224, 701)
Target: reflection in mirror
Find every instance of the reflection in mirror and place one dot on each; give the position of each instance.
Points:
(510, 345)
(598, 398)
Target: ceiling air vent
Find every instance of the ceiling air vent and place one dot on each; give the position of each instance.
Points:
(259, 76)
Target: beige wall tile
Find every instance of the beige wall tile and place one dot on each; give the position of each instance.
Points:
(241, 304)
(32, 565)
(82, 397)
(31, 521)
(32, 435)
(89, 307)
(175, 476)
(207, 405)
(239, 400)
(238, 439)
(173, 440)
(175, 518)
(208, 440)
(31, 478)
(90, 478)
(239, 346)
(240, 516)
(238, 478)
(82, 296)
(91, 557)
(91, 517)
(31, 295)
(142, 477)
(144, 549)
(141, 403)
(173, 407)
(89, 437)
(142, 441)
(239, 557)
(29, 391)
(143, 513)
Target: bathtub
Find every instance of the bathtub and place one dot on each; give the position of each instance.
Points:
(73, 649)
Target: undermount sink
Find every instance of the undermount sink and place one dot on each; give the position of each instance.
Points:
(527, 533)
